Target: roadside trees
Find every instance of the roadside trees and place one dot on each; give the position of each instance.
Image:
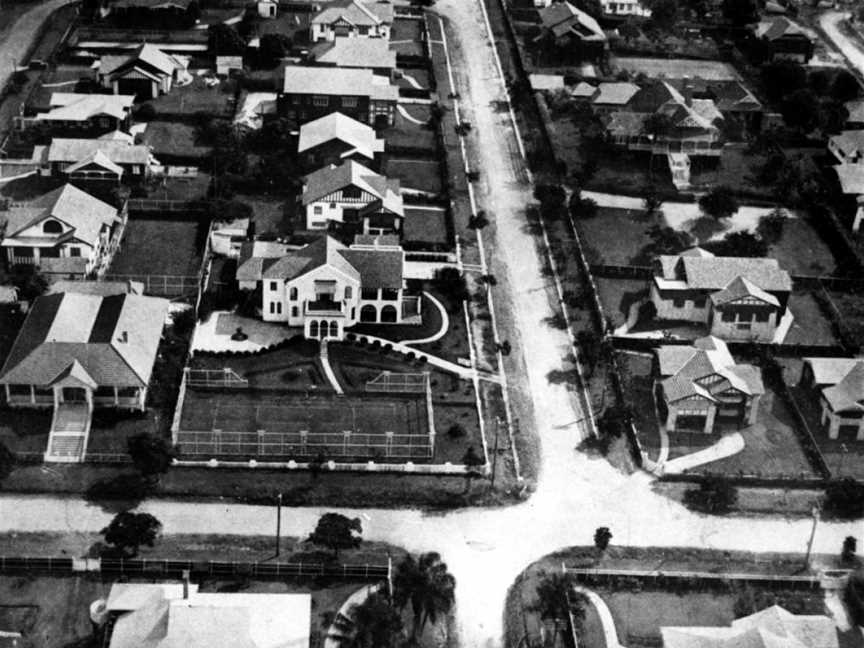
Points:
(553, 603)
(128, 531)
(374, 623)
(151, 455)
(850, 546)
(335, 531)
(426, 584)
(718, 203)
(472, 462)
(845, 498)
(602, 538)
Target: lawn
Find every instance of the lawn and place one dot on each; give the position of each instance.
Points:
(734, 168)
(406, 29)
(406, 135)
(420, 75)
(801, 251)
(268, 214)
(851, 309)
(810, 325)
(174, 140)
(197, 97)
(425, 226)
(184, 188)
(164, 247)
(422, 175)
(616, 236)
(616, 295)
(638, 386)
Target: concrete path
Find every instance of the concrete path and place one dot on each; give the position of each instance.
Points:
(445, 324)
(435, 361)
(610, 632)
(407, 116)
(728, 445)
(324, 357)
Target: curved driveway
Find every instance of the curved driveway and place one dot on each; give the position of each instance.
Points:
(487, 548)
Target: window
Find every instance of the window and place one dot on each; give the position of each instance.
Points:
(274, 285)
(292, 293)
(364, 31)
(349, 102)
(320, 101)
(74, 251)
(294, 311)
(388, 294)
(295, 99)
(136, 169)
(351, 192)
(317, 210)
(278, 308)
(272, 307)
(729, 316)
(349, 292)
(52, 227)
(744, 326)
(333, 205)
(699, 302)
(679, 302)
(369, 293)
(127, 392)
(762, 315)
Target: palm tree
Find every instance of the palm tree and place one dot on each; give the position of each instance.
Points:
(553, 600)
(374, 623)
(427, 585)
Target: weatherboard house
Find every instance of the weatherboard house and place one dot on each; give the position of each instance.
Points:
(838, 383)
(327, 287)
(700, 385)
(352, 19)
(737, 298)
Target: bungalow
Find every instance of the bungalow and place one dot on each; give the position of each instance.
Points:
(312, 92)
(146, 73)
(97, 159)
(625, 8)
(570, 34)
(607, 98)
(166, 615)
(838, 383)
(351, 19)
(701, 385)
(847, 146)
(334, 138)
(97, 113)
(355, 195)
(76, 352)
(370, 53)
(327, 287)
(64, 231)
(737, 298)
(786, 39)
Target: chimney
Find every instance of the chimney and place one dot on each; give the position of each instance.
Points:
(185, 584)
(688, 93)
(124, 337)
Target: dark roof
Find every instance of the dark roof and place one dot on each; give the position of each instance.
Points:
(377, 268)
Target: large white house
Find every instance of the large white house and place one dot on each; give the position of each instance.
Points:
(353, 194)
(352, 19)
(737, 298)
(66, 231)
(327, 287)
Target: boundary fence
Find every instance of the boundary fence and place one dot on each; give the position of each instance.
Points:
(661, 578)
(209, 568)
(161, 285)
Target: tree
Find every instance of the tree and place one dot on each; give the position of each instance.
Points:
(801, 109)
(128, 531)
(666, 240)
(850, 546)
(845, 498)
(224, 40)
(550, 195)
(740, 12)
(720, 202)
(602, 537)
(589, 348)
(451, 283)
(739, 244)
(152, 455)
(478, 221)
(651, 202)
(7, 461)
(374, 623)
(335, 531)
(782, 78)
(845, 86)
(853, 597)
(664, 14)
(472, 462)
(553, 600)
(714, 495)
(426, 584)
(770, 227)
(273, 48)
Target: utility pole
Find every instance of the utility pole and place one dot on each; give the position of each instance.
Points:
(278, 521)
(815, 512)
(495, 452)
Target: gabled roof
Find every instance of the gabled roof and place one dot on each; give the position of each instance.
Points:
(79, 210)
(114, 340)
(562, 17)
(779, 27)
(343, 82)
(855, 108)
(356, 53)
(148, 54)
(118, 151)
(583, 89)
(715, 273)
(97, 158)
(849, 141)
(617, 93)
(360, 137)
(328, 180)
(355, 12)
(848, 393)
(739, 288)
(69, 106)
(324, 251)
(378, 268)
(681, 368)
(830, 371)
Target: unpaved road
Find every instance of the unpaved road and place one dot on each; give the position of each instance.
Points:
(487, 548)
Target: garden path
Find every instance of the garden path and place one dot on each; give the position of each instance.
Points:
(610, 633)
(445, 324)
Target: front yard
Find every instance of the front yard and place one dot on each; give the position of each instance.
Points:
(416, 174)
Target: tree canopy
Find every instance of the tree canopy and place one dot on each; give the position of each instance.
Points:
(845, 498)
(225, 40)
(740, 12)
(151, 455)
(427, 585)
(7, 461)
(374, 623)
(128, 531)
(720, 202)
(336, 532)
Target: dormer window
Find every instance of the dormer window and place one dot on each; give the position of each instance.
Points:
(52, 227)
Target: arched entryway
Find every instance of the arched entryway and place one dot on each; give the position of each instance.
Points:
(368, 313)
(388, 314)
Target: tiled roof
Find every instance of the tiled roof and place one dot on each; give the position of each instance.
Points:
(298, 262)
(97, 158)
(68, 204)
(343, 82)
(617, 93)
(715, 273)
(328, 180)
(830, 371)
(359, 136)
(145, 53)
(378, 268)
(849, 141)
(356, 53)
(68, 106)
(740, 287)
(369, 14)
(114, 339)
(848, 392)
(682, 367)
(119, 152)
(774, 28)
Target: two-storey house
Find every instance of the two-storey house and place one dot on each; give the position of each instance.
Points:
(737, 298)
(786, 39)
(352, 19)
(327, 287)
(335, 138)
(352, 194)
(569, 34)
(66, 231)
(312, 92)
(701, 385)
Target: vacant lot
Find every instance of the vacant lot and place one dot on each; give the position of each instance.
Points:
(164, 247)
(420, 175)
(801, 251)
(616, 236)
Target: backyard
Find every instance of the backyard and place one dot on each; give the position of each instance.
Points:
(406, 37)
(160, 247)
(198, 97)
(407, 135)
(425, 226)
(172, 140)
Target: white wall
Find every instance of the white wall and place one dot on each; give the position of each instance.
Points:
(688, 312)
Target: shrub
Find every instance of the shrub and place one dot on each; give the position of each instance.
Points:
(456, 431)
(712, 496)
(845, 498)
(145, 112)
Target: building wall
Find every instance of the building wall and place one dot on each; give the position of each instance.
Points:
(744, 329)
(321, 32)
(687, 311)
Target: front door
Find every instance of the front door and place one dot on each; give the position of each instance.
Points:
(74, 395)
